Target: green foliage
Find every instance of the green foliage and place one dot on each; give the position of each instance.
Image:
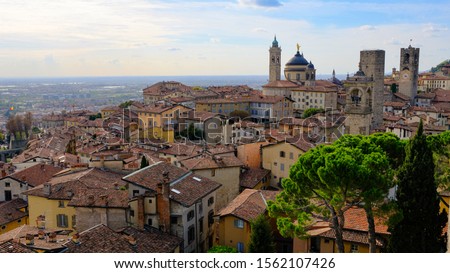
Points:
(71, 147)
(311, 112)
(96, 116)
(394, 88)
(192, 133)
(240, 114)
(326, 180)
(439, 66)
(125, 104)
(419, 223)
(144, 162)
(222, 249)
(35, 130)
(261, 237)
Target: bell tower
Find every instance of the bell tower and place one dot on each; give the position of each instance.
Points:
(409, 72)
(274, 61)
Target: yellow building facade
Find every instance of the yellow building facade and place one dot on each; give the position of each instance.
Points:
(234, 232)
(56, 212)
(279, 158)
(160, 122)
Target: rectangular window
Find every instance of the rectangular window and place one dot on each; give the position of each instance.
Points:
(354, 248)
(132, 213)
(200, 225)
(135, 193)
(281, 167)
(210, 201)
(210, 217)
(61, 204)
(150, 221)
(62, 220)
(8, 195)
(213, 172)
(291, 155)
(240, 247)
(191, 234)
(7, 184)
(173, 220)
(190, 215)
(74, 221)
(238, 223)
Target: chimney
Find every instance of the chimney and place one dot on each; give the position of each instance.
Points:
(52, 237)
(132, 240)
(40, 222)
(29, 239)
(140, 212)
(41, 234)
(163, 203)
(47, 188)
(76, 238)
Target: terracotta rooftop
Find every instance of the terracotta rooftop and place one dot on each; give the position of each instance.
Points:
(206, 161)
(101, 239)
(186, 187)
(249, 204)
(14, 247)
(67, 186)
(181, 149)
(280, 84)
(10, 211)
(402, 96)
(354, 236)
(22, 231)
(395, 104)
(252, 176)
(36, 175)
(442, 95)
(356, 219)
(100, 198)
(18, 235)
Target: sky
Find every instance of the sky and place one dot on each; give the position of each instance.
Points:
(61, 38)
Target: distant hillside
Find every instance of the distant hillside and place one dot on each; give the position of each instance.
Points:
(439, 66)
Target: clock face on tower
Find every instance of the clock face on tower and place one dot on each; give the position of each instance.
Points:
(405, 76)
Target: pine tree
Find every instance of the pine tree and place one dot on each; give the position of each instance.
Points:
(261, 238)
(420, 225)
(144, 162)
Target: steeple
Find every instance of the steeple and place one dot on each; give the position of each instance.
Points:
(275, 42)
(274, 61)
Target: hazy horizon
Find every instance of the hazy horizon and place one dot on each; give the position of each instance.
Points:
(220, 37)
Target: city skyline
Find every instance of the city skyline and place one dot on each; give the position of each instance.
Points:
(165, 38)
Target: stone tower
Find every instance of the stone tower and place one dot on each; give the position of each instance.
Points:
(409, 72)
(364, 94)
(372, 64)
(274, 61)
(358, 104)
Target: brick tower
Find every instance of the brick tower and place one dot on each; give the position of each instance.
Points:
(274, 61)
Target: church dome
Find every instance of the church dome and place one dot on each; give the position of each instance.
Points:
(298, 59)
(310, 65)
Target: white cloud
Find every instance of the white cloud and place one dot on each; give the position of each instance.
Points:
(260, 3)
(434, 28)
(367, 28)
(260, 30)
(214, 40)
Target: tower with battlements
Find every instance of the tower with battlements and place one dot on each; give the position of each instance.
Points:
(364, 94)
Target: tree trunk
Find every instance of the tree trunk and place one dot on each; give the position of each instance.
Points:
(337, 226)
(371, 233)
